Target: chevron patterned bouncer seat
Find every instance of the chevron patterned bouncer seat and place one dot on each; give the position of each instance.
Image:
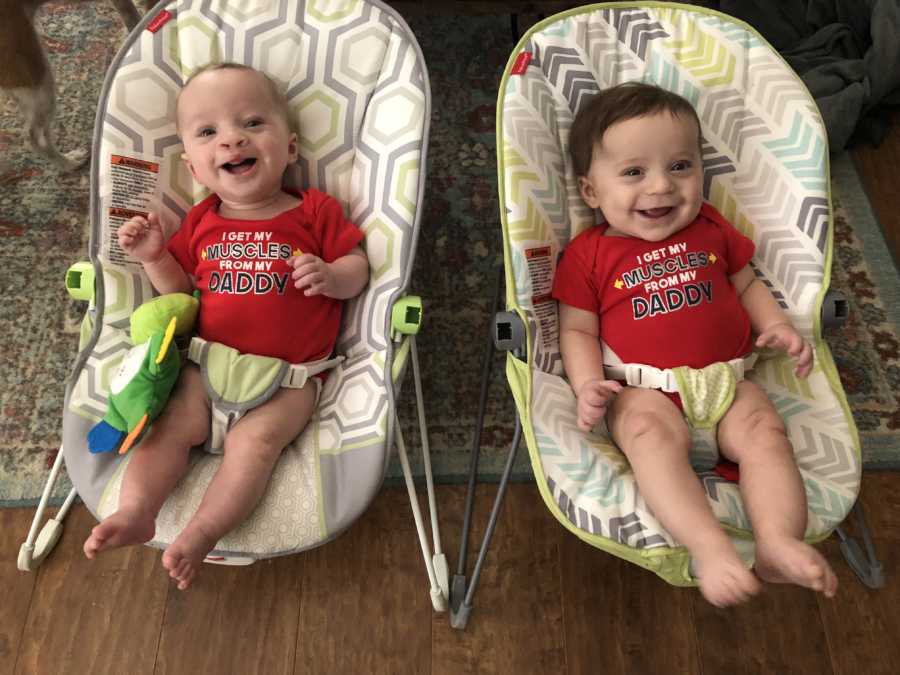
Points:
(766, 169)
(358, 94)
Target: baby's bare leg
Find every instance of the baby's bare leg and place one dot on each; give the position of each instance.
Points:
(251, 449)
(157, 464)
(752, 434)
(652, 433)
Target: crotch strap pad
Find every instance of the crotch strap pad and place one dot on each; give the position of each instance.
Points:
(706, 394)
(237, 383)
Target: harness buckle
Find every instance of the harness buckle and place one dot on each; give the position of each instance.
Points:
(633, 373)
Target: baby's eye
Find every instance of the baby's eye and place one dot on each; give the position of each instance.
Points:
(632, 172)
(206, 131)
(255, 122)
(681, 165)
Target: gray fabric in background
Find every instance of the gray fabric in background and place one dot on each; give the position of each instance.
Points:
(846, 51)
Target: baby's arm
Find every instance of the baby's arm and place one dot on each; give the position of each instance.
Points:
(143, 239)
(768, 320)
(341, 279)
(579, 344)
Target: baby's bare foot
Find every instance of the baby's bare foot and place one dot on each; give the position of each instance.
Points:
(724, 579)
(791, 561)
(184, 556)
(123, 528)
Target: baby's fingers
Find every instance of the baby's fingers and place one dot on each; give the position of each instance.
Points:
(314, 280)
(595, 397)
(305, 265)
(584, 425)
(298, 261)
(133, 226)
(315, 289)
(793, 343)
(590, 417)
(804, 360)
(613, 385)
(767, 340)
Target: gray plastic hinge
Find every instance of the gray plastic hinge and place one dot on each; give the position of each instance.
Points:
(863, 559)
(835, 309)
(869, 571)
(459, 611)
(509, 331)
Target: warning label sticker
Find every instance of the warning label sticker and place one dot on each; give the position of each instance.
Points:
(133, 185)
(540, 271)
(547, 316)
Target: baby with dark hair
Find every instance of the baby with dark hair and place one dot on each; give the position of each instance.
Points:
(665, 282)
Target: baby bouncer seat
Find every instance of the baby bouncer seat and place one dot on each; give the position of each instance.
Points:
(765, 157)
(359, 98)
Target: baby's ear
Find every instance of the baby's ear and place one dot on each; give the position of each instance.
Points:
(588, 193)
(187, 163)
(292, 147)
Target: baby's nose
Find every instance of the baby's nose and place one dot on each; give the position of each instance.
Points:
(662, 182)
(234, 138)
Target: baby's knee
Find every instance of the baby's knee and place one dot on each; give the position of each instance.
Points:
(255, 444)
(764, 421)
(650, 427)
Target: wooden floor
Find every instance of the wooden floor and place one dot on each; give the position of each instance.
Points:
(547, 603)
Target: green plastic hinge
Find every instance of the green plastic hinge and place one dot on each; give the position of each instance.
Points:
(80, 281)
(406, 316)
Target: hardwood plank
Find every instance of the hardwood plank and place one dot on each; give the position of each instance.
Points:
(779, 631)
(880, 496)
(16, 587)
(861, 624)
(516, 625)
(623, 616)
(879, 168)
(365, 606)
(100, 616)
(234, 620)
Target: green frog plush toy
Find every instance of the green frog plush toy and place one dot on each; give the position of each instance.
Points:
(143, 382)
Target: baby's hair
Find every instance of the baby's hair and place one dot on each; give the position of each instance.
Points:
(278, 98)
(618, 104)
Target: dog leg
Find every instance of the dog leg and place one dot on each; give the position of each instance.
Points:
(128, 12)
(38, 105)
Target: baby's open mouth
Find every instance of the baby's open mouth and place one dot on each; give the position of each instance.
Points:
(655, 213)
(239, 167)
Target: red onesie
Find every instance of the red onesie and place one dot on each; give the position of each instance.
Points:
(665, 304)
(247, 297)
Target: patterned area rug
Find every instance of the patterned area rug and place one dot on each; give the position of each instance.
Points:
(43, 229)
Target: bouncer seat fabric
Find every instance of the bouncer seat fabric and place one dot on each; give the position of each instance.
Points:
(765, 157)
(359, 100)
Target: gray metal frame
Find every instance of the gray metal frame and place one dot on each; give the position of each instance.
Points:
(508, 334)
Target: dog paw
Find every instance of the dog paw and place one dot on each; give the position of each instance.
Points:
(74, 159)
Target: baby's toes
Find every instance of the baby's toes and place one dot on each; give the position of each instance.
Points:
(721, 592)
(186, 578)
(829, 583)
(180, 569)
(815, 573)
(748, 583)
(169, 561)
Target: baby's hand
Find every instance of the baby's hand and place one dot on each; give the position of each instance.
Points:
(143, 238)
(314, 274)
(785, 337)
(594, 397)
